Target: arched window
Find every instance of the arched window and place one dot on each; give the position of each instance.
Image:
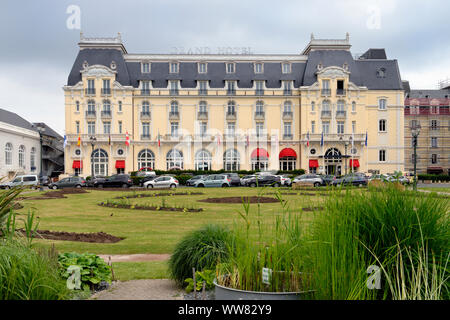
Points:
(231, 107)
(99, 162)
(107, 106)
(313, 106)
(231, 160)
(203, 160)
(174, 159)
(382, 125)
(174, 106)
(325, 105)
(91, 106)
(287, 106)
(353, 106)
(340, 105)
(22, 156)
(382, 104)
(146, 159)
(8, 154)
(33, 159)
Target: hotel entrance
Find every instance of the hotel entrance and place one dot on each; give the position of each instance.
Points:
(333, 162)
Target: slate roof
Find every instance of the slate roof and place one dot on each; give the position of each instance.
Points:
(363, 71)
(48, 131)
(15, 120)
(442, 94)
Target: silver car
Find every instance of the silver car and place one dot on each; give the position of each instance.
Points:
(214, 180)
(25, 180)
(162, 182)
(314, 179)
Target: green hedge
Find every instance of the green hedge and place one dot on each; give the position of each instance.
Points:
(434, 177)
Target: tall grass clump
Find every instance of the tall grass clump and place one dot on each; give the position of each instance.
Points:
(26, 274)
(386, 228)
(201, 249)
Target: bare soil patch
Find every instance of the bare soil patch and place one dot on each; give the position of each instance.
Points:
(57, 194)
(144, 207)
(97, 237)
(253, 199)
(161, 194)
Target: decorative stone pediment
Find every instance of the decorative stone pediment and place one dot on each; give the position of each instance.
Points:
(98, 71)
(333, 72)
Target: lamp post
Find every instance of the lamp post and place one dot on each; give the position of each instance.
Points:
(345, 156)
(415, 134)
(41, 130)
(93, 140)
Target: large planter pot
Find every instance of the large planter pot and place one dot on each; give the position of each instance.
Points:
(224, 293)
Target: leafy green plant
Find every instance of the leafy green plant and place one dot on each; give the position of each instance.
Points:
(7, 198)
(201, 249)
(93, 269)
(206, 276)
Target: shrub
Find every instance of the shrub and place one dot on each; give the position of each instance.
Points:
(93, 268)
(359, 229)
(26, 274)
(434, 177)
(200, 249)
(182, 178)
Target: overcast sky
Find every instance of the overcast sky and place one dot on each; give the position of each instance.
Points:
(38, 49)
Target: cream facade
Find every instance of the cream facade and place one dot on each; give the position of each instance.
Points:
(232, 112)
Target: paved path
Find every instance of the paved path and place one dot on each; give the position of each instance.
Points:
(152, 289)
(135, 257)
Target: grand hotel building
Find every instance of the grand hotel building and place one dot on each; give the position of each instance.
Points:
(321, 110)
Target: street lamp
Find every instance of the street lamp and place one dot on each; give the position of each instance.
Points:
(41, 130)
(415, 134)
(93, 140)
(345, 156)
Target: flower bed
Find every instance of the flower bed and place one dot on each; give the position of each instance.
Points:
(120, 205)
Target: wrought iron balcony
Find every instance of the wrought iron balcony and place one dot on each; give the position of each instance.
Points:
(326, 92)
(145, 115)
(174, 115)
(231, 115)
(91, 114)
(106, 91)
(259, 115)
(326, 114)
(231, 92)
(173, 92)
(145, 92)
(259, 92)
(202, 115)
(341, 92)
(341, 114)
(202, 92)
(106, 114)
(288, 115)
(145, 137)
(288, 136)
(287, 92)
(89, 91)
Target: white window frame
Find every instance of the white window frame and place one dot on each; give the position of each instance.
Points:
(382, 106)
(143, 68)
(174, 67)
(232, 66)
(382, 155)
(289, 67)
(255, 67)
(199, 67)
(384, 121)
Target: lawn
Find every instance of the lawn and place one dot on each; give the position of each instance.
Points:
(150, 231)
(443, 189)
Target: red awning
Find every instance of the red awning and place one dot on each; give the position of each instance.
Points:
(77, 164)
(354, 163)
(288, 153)
(313, 163)
(260, 153)
(120, 164)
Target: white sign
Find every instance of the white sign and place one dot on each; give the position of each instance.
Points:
(266, 275)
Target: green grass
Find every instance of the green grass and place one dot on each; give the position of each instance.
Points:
(125, 271)
(145, 231)
(444, 189)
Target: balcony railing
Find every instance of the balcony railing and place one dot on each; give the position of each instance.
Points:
(89, 91)
(259, 115)
(231, 115)
(259, 92)
(90, 114)
(333, 137)
(202, 92)
(106, 114)
(341, 92)
(202, 115)
(288, 136)
(174, 115)
(341, 114)
(288, 115)
(173, 92)
(145, 137)
(287, 92)
(326, 92)
(145, 115)
(326, 114)
(106, 91)
(231, 92)
(145, 92)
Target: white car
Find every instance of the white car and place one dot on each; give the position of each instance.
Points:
(162, 182)
(25, 180)
(285, 180)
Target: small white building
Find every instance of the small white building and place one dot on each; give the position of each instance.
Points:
(19, 146)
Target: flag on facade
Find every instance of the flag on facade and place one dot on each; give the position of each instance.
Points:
(65, 141)
(127, 139)
(321, 140)
(366, 139)
(159, 140)
(79, 141)
(109, 139)
(307, 139)
(218, 140)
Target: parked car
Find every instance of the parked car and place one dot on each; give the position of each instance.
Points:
(31, 181)
(381, 177)
(314, 179)
(44, 180)
(264, 180)
(285, 180)
(234, 177)
(116, 180)
(70, 182)
(214, 180)
(244, 179)
(145, 179)
(162, 182)
(328, 178)
(192, 180)
(146, 171)
(401, 179)
(354, 179)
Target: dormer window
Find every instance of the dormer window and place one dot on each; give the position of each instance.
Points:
(145, 67)
(258, 67)
(381, 73)
(230, 67)
(173, 67)
(202, 67)
(286, 67)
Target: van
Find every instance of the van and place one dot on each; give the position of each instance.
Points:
(25, 180)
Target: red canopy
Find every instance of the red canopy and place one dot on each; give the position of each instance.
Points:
(77, 164)
(288, 153)
(313, 163)
(120, 164)
(354, 163)
(260, 153)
